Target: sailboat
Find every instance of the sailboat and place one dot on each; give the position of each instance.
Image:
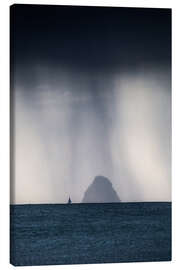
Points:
(69, 201)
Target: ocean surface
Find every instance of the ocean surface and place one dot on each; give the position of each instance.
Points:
(46, 234)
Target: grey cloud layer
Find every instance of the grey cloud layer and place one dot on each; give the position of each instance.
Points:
(72, 126)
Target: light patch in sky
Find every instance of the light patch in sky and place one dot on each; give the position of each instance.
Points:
(81, 126)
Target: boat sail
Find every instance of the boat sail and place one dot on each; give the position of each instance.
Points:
(69, 201)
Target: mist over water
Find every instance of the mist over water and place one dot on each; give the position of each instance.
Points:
(77, 125)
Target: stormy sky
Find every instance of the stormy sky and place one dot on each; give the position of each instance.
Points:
(90, 95)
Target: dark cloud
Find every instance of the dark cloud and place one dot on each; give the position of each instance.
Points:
(90, 37)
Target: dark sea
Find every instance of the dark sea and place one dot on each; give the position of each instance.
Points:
(46, 234)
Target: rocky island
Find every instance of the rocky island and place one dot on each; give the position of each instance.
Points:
(100, 191)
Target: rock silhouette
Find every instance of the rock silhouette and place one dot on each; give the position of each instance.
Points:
(100, 191)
